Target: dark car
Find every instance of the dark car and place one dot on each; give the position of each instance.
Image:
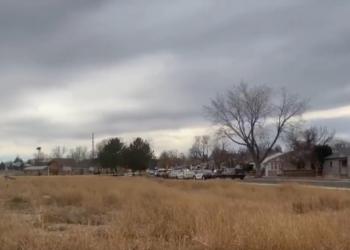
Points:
(231, 173)
(234, 173)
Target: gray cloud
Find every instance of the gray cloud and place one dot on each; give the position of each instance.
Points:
(302, 45)
(340, 125)
(105, 124)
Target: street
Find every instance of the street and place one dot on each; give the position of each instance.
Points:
(320, 183)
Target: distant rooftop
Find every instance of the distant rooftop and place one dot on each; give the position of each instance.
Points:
(35, 168)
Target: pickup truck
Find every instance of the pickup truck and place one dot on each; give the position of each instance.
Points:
(226, 174)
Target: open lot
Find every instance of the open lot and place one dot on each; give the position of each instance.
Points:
(138, 213)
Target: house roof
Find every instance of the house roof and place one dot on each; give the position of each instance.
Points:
(272, 153)
(343, 153)
(35, 168)
(271, 157)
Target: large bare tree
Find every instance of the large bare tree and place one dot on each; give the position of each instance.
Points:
(58, 152)
(255, 117)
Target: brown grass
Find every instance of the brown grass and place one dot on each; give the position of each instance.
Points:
(139, 213)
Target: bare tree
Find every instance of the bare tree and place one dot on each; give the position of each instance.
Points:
(255, 117)
(220, 152)
(338, 144)
(235, 158)
(182, 159)
(58, 152)
(318, 135)
(303, 145)
(312, 136)
(39, 157)
(200, 148)
(170, 158)
(79, 153)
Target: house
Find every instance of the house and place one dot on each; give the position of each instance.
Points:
(337, 164)
(277, 164)
(61, 165)
(248, 160)
(273, 164)
(19, 165)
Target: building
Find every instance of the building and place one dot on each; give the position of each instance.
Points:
(273, 165)
(36, 170)
(70, 166)
(278, 165)
(337, 164)
(61, 166)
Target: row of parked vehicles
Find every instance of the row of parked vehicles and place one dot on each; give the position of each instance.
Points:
(200, 174)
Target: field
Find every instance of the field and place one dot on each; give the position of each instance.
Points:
(138, 213)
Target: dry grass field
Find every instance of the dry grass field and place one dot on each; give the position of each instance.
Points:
(94, 213)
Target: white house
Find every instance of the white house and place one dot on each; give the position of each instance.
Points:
(273, 165)
(338, 164)
(276, 165)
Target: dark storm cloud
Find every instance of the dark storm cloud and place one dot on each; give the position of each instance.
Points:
(303, 45)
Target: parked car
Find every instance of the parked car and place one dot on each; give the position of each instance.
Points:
(166, 174)
(185, 174)
(231, 173)
(136, 173)
(203, 174)
(159, 172)
(173, 174)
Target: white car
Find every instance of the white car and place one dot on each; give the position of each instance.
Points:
(173, 174)
(160, 172)
(186, 174)
(201, 174)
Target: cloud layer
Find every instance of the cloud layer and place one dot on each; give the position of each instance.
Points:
(129, 68)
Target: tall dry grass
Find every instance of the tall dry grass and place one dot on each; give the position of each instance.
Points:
(139, 213)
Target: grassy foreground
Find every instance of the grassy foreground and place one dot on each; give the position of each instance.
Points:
(139, 213)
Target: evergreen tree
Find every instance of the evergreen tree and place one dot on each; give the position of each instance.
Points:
(111, 156)
(138, 155)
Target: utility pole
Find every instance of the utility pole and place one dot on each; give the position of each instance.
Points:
(93, 147)
(39, 149)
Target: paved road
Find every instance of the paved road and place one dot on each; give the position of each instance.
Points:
(321, 183)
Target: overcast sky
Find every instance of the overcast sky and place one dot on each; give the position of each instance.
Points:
(132, 68)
